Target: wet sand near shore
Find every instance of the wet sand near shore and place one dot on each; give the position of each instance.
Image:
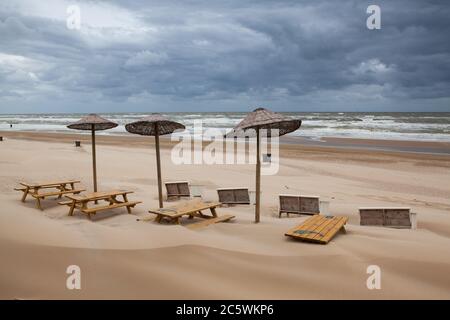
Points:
(286, 142)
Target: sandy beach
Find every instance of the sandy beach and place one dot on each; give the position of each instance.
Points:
(121, 258)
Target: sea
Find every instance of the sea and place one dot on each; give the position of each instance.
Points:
(415, 126)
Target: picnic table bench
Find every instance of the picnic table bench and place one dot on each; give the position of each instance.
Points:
(81, 202)
(192, 209)
(60, 188)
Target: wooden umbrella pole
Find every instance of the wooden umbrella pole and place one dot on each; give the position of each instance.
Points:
(158, 164)
(258, 177)
(94, 159)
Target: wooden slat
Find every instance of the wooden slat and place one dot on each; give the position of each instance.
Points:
(326, 228)
(56, 193)
(101, 194)
(48, 184)
(331, 233)
(307, 224)
(207, 222)
(98, 195)
(65, 203)
(75, 197)
(320, 229)
(112, 206)
(184, 208)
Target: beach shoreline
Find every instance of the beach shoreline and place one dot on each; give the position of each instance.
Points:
(437, 148)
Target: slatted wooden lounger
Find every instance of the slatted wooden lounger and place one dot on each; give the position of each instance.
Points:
(192, 209)
(177, 189)
(318, 229)
(81, 202)
(298, 204)
(34, 189)
(387, 217)
(233, 195)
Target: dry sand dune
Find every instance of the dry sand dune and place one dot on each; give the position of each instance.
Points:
(122, 258)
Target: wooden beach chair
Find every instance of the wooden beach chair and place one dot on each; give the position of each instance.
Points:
(177, 189)
(191, 209)
(318, 229)
(401, 218)
(54, 188)
(298, 204)
(233, 196)
(83, 202)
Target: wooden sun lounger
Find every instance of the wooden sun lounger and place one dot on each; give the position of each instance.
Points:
(192, 209)
(318, 229)
(35, 190)
(233, 195)
(387, 217)
(298, 204)
(81, 202)
(177, 189)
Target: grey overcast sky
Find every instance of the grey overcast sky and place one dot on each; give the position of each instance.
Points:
(217, 55)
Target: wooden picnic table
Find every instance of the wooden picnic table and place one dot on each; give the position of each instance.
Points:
(82, 202)
(192, 209)
(35, 190)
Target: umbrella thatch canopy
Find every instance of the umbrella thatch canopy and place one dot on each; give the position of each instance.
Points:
(259, 119)
(93, 122)
(155, 125)
(262, 118)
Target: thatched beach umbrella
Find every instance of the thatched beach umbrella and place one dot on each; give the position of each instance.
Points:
(259, 119)
(93, 122)
(155, 125)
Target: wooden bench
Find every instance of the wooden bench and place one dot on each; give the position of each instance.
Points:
(318, 229)
(207, 222)
(191, 209)
(233, 195)
(34, 189)
(81, 202)
(129, 204)
(298, 204)
(393, 217)
(177, 189)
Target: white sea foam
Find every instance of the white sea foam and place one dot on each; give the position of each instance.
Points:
(395, 126)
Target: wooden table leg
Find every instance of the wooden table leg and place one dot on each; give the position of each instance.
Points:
(158, 218)
(213, 211)
(62, 188)
(38, 203)
(25, 193)
(125, 199)
(72, 207)
(84, 206)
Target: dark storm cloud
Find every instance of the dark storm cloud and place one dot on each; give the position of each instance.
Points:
(297, 55)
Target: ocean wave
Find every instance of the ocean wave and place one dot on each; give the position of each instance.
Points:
(409, 126)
